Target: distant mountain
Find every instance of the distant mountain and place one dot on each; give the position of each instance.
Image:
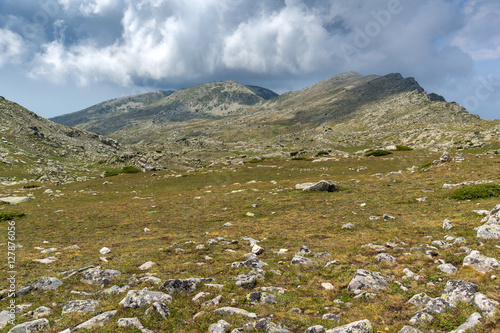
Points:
(210, 100)
(347, 110)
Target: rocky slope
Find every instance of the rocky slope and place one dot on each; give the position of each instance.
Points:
(43, 147)
(344, 111)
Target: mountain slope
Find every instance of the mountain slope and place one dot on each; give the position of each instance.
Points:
(210, 100)
(43, 146)
(211, 120)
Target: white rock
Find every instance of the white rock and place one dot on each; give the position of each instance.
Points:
(147, 265)
(104, 250)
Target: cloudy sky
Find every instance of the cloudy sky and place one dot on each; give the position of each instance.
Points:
(59, 56)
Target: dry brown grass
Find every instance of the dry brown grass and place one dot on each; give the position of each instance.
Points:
(94, 215)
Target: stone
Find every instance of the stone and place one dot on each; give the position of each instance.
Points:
(228, 310)
(348, 226)
(447, 225)
(304, 251)
(48, 283)
(420, 300)
(48, 260)
(316, 329)
(41, 312)
(97, 321)
(384, 257)
(267, 326)
(147, 265)
(327, 286)
(331, 316)
(445, 157)
(139, 298)
(249, 280)
(362, 326)
(116, 290)
(493, 216)
(152, 279)
(258, 250)
(481, 262)
(331, 263)
(104, 251)
(220, 327)
(15, 200)
(133, 322)
(447, 268)
(80, 306)
(456, 291)
(97, 275)
(214, 301)
(470, 323)
(489, 231)
(5, 316)
(299, 260)
(421, 318)
(254, 263)
(364, 279)
(162, 309)
(438, 305)
(262, 297)
(322, 185)
(177, 286)
(487, 305)
(409, 329)
(31, 326)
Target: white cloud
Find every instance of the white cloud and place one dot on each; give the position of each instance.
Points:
(88, 7)
(12, 47)
(481, 35)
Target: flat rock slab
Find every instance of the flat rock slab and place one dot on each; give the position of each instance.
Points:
(228, 310)
(480, 262)
(98, 320)
(470, 323)
(81, 306)
(489, 231)
(138, 298)
(98, 275)
(183, 286)
(362, 326)
(364, 279)
(31, 326)
(15, 200)
(48, 283)
(322, 185)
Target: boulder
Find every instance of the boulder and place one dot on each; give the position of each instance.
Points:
(364, 279)
(97, 321)
(487, 305)
(81, 306)
(220, 327)
(362, 326)
(456, 291)
(31, 326)
(262, 297)
(48, 283)
(15, 200)
(410, 329)
(447, 268)
(470, 323)
(98, 275)
(138, 298)
(489, 231)
(322, 185)
(481, 262)
(228, 310)
(299, 260)
(384, 257)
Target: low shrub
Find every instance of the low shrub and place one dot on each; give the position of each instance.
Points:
(127, 169)
(5, 216)
(479, 191)
(403, 148)
(322, 153)
(378, 153)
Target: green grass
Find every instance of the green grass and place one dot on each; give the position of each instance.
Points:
(403, 148)
(479, 191)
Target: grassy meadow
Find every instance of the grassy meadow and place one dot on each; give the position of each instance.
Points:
(185, 210)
